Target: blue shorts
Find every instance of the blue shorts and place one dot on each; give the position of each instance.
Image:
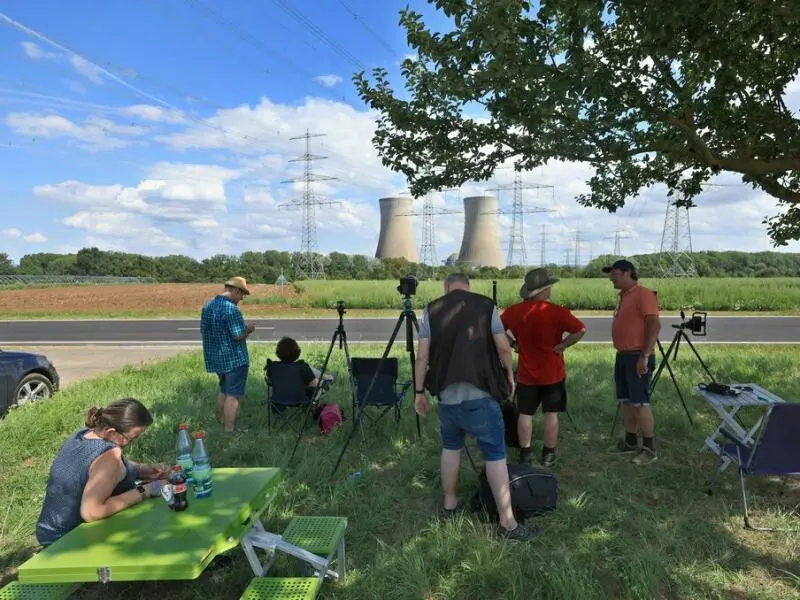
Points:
(630, 388)
(481, 418)
(233, 383)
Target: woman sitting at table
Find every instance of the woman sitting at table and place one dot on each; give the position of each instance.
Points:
(90, 478)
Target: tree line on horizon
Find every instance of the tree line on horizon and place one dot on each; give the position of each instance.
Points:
(268, 266)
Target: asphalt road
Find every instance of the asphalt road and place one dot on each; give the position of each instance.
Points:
(721, 329)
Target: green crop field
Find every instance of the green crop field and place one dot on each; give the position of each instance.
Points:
(620, 531)
(724, 294)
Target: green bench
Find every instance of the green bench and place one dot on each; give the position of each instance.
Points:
(44, 591)
(319, 541)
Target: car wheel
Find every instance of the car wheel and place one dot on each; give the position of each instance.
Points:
(32, 388)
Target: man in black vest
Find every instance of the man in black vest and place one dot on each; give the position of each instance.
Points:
(464, 359)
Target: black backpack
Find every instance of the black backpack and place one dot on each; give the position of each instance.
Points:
(534, 492)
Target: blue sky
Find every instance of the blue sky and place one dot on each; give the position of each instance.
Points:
(174, 137)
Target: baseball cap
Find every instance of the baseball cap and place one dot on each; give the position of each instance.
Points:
(622, 265)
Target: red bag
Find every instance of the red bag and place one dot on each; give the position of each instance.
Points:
(330, 417)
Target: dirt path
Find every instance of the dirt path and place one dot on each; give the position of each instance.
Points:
(77, 363)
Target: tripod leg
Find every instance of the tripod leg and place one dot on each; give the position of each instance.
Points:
(616, 418)
(411, 324)
(664, 360)
(336, 334)
(665, 364)
(699, 358)
(349, 372)
(300, 433)
(360, 414)
(571, 420)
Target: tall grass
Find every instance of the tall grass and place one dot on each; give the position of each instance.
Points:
(620, 531)
(728, 294)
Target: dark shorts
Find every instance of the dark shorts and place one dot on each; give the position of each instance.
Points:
(552, 398)
(234, 382)
(630, 388)
(481, 418)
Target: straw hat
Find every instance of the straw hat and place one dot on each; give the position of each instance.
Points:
(240, 283)
(536, 280)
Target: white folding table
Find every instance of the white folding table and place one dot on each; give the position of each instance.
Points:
(749, 395)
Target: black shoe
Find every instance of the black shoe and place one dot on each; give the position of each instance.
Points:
(525, 457)
(520, 533)
(548, 459)
(622, 447)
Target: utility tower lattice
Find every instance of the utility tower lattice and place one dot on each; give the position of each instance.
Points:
(675, 257)
(577, 254)
(619, 234)
(427, 250)
(310, 262)
(517, 254)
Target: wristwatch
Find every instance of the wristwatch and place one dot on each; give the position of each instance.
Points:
(141, 489)
(419, 391)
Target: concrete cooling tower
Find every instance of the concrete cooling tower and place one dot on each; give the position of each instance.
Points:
(480, 246)
(396, 239)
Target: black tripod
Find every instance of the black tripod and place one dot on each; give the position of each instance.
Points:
(697, 325)
(340, 334)
(410, 319)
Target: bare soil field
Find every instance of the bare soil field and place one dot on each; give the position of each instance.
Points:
(164, 298)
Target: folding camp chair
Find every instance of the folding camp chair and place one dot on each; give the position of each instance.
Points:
(287, 398)
(775, 451)
(386, 393)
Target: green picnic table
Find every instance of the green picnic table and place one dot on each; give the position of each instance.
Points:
(151, 542)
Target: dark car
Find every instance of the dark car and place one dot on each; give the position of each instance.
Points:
(25, 377)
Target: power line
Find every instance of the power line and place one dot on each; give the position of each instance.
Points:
(619, 234)
(287, 8)
(310, 261)
(119, 80)
(367, 28)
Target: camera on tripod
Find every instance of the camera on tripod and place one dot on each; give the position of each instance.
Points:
(340, 307)
(408, 285)
(696, 323)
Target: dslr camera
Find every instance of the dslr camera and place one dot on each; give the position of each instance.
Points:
(340, 307)
(408, 285)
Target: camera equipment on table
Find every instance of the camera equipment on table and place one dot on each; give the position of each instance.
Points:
(697, 325)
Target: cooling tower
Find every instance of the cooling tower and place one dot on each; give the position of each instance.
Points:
(396, 239)
(480, 246)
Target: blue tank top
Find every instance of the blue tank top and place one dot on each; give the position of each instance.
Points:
(61, 510)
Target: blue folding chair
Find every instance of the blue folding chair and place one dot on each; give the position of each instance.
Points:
(774, 452)
(386, 393)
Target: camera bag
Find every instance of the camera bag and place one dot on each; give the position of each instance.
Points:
(534, 492)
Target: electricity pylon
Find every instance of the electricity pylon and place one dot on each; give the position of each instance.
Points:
(675, 256)
(311, 262)
(619, 234)
(517, 254)
(428, 266)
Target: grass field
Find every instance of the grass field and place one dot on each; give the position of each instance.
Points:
(374, 298)
(620, 531)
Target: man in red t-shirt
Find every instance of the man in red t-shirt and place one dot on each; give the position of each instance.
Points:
(538, 326)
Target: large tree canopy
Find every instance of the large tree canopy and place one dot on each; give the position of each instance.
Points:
(645, 92)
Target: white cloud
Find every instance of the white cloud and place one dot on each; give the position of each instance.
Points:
(81, 65)
(35, 238)
(12, 233)
(97, 132)
(32, 238)
(230, 204)
(328, 80)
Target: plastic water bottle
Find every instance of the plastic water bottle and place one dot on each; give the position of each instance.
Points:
(201, 467)
(185, 451)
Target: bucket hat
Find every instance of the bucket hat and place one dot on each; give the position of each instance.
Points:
(536, 280)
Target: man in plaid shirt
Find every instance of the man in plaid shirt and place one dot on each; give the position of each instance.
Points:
(224, 337)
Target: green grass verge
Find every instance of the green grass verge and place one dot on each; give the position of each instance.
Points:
(620, 531)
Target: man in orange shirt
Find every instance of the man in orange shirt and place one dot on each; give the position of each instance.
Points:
(538, 326)
(634, 333)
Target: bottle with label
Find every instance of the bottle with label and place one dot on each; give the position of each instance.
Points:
(201, 467)
(185, 451)
(177, 479)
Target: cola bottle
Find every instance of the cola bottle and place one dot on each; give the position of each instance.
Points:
(177, 479)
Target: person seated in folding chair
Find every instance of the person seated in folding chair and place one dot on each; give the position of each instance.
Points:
(288, 351)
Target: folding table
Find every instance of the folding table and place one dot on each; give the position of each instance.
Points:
(749, 394)
(149, 541)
